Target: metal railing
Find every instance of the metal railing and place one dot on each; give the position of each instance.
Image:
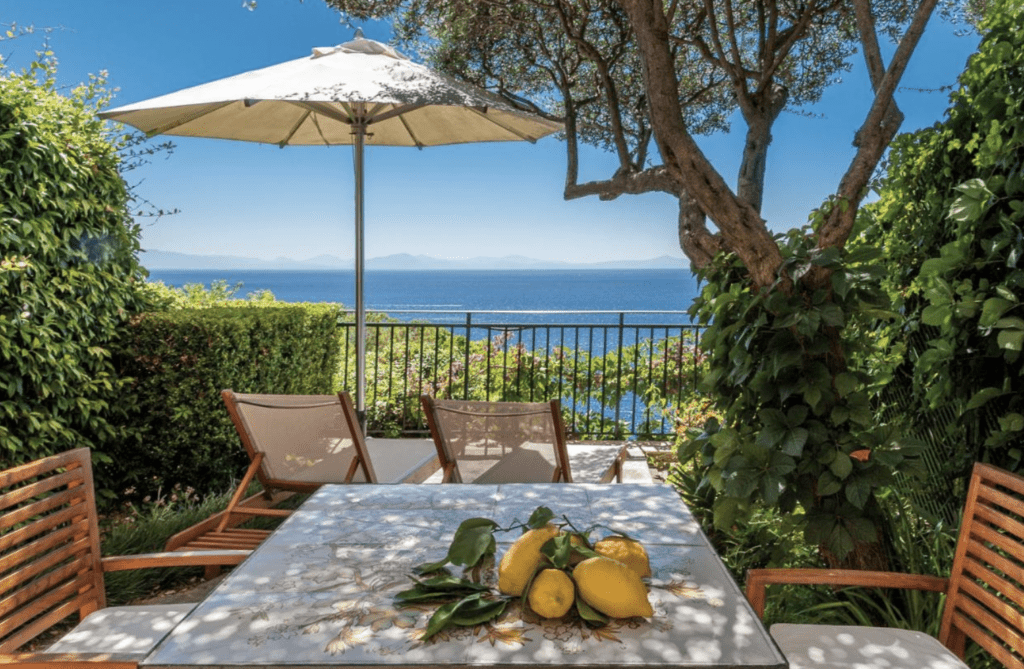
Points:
(620, 379)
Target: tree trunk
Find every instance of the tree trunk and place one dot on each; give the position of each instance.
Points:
(741, 226)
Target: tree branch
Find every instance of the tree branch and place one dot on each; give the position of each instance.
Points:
(875, 134)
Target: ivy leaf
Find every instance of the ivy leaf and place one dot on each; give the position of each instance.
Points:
(794, 442)
(841, 465)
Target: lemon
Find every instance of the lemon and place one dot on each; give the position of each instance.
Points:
(612, 588)
(628, 552)
(522, 559)
(552, 593)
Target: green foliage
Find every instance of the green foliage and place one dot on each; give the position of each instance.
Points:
(949, 217)
(794, 396)
(67, 267)
(160, 297)
(407, 362)
(181, 360)
(145, 527)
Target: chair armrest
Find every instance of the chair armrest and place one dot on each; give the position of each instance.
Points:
(757, 579)
(46, 660)
(173, 559)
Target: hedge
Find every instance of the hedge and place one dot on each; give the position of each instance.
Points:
(179, 361)
(67, 268)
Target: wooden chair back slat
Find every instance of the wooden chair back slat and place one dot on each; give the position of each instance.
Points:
(49, 546)
(43, 623)
(30, 530)
(52, 601)
(988, 513)
(43, 565)
(72, 499)
(48, 582)
(985, 601)
(995, 614)
(18, 496)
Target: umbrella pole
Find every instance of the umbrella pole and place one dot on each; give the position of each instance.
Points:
(359, 130)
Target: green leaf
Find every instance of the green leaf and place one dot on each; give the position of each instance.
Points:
(558, 550)
(846, 383)
(828, 485)
(982, 397)
(1011, 340)
(441, 618)
(589, 614)
(858, 492)
(476, 611)
(794, 441)
(842, 465)
(473, 540)
(936, 314)
(993, 309)
(540, 517)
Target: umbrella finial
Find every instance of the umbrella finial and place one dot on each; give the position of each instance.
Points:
(359, 34)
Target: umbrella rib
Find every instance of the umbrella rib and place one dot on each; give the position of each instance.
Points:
(295, 129)
(412, 135)
(505, 126)
(325, 109)
(186, 119)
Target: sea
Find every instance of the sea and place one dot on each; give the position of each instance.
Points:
(442, 296)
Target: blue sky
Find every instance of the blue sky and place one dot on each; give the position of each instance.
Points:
(463, 201)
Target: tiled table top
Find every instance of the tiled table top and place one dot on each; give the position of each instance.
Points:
(320, 591)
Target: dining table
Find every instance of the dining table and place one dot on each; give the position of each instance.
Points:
(320, 591)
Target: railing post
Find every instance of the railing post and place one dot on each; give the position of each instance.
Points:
(618, 374)
(465, 372)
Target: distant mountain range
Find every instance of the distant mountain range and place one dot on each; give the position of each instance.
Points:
(154, 259)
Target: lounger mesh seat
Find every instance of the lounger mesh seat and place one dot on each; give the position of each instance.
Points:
(295, 443)
(498, 442)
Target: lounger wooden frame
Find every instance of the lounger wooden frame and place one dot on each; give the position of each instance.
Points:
(222, 531)
(985, 589)
(50, 562)
(449, 464)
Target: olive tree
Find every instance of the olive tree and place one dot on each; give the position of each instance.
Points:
(643, 78)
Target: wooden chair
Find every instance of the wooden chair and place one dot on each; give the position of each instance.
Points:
(51, 570)
(295, 443)
(984, 594)
(498, 442)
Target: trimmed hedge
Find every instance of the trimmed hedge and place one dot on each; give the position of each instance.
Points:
(67, 268)
(181, 360)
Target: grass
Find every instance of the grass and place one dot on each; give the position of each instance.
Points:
(145, 529)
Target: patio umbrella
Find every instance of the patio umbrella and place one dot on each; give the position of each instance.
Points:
(361, 92)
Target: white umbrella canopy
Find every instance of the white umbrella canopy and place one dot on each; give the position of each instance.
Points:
(360, 92)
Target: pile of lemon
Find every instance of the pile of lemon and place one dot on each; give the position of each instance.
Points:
(610, 583)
